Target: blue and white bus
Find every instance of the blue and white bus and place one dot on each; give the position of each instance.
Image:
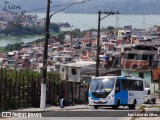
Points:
(116, 91)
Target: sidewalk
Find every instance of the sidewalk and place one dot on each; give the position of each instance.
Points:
(82, 106)
(54, 108)
(57, 108)
(48, 108)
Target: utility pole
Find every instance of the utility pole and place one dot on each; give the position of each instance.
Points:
(159, 85)
(98, 50)
(45, 55)
(98, 37)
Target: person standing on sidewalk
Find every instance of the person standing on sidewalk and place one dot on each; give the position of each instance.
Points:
(62, 100)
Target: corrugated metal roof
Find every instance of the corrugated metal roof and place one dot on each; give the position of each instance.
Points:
(141, 52)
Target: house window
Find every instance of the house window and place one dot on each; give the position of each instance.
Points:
(141, 75)
(144, 57)
(74, 72)
(131, 56)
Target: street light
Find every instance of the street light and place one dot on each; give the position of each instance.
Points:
(44, 72)
(98, 37)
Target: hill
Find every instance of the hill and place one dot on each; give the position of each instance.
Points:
(91, 6)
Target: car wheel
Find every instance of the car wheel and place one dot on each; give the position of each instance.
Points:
(153, 101)
(96, 107)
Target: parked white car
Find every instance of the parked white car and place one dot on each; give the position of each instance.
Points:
(149, 98)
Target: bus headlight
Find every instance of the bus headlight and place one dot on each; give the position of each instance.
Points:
(110, 97)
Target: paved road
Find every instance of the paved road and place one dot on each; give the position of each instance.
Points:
(85, 114)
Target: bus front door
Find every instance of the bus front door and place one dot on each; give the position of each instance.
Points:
(124, 93)
(117, 92)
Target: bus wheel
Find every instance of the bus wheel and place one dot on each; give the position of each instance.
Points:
(116, 106)
(148, 101)
(95, 107)
(133, 105)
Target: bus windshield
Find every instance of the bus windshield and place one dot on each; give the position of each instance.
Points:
(102, 85)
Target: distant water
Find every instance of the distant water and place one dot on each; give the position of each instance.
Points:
(88, 21)
(12, 40)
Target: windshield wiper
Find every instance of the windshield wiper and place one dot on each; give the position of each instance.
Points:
(96, 87)
(103, 88)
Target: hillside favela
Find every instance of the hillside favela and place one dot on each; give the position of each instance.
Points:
(74, 59)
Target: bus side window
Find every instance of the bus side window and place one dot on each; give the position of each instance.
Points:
(117, 87)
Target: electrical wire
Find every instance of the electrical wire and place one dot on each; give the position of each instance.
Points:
(25, 11)
(128, 19)
(95, 6)
(30, 10)
(137, 20)
(106, 5)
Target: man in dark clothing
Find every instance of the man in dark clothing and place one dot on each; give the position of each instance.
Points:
(62, 100)
(61, 95)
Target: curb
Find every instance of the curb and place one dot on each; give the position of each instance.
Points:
(47, 110)
(42, 111)
(63, 109)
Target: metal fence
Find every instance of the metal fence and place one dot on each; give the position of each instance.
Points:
(22, 89)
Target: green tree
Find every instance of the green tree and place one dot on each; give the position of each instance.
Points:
(77, 33)
(110, 28)
(11, 47)
(54, 27)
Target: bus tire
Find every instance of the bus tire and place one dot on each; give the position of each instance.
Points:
(117, 105)
(133, 105)
(96, 106)
(148, 101)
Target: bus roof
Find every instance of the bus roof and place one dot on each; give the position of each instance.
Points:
(129, 77)
(106, 77)
(120, 77)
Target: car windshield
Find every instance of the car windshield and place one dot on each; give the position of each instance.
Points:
(102, 85)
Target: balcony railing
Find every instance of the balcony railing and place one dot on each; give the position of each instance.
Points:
(130, 63)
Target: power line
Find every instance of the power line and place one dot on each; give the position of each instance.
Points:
(138, 20)
(126, 18)
(61, 5)
(106, 4)
(32, 10)
(80, 21)
(95, 6)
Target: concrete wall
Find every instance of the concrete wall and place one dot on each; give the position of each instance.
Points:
(67, 72)
(147, 76)
(154, 87)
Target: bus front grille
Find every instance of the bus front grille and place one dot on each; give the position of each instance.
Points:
(100, 94)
